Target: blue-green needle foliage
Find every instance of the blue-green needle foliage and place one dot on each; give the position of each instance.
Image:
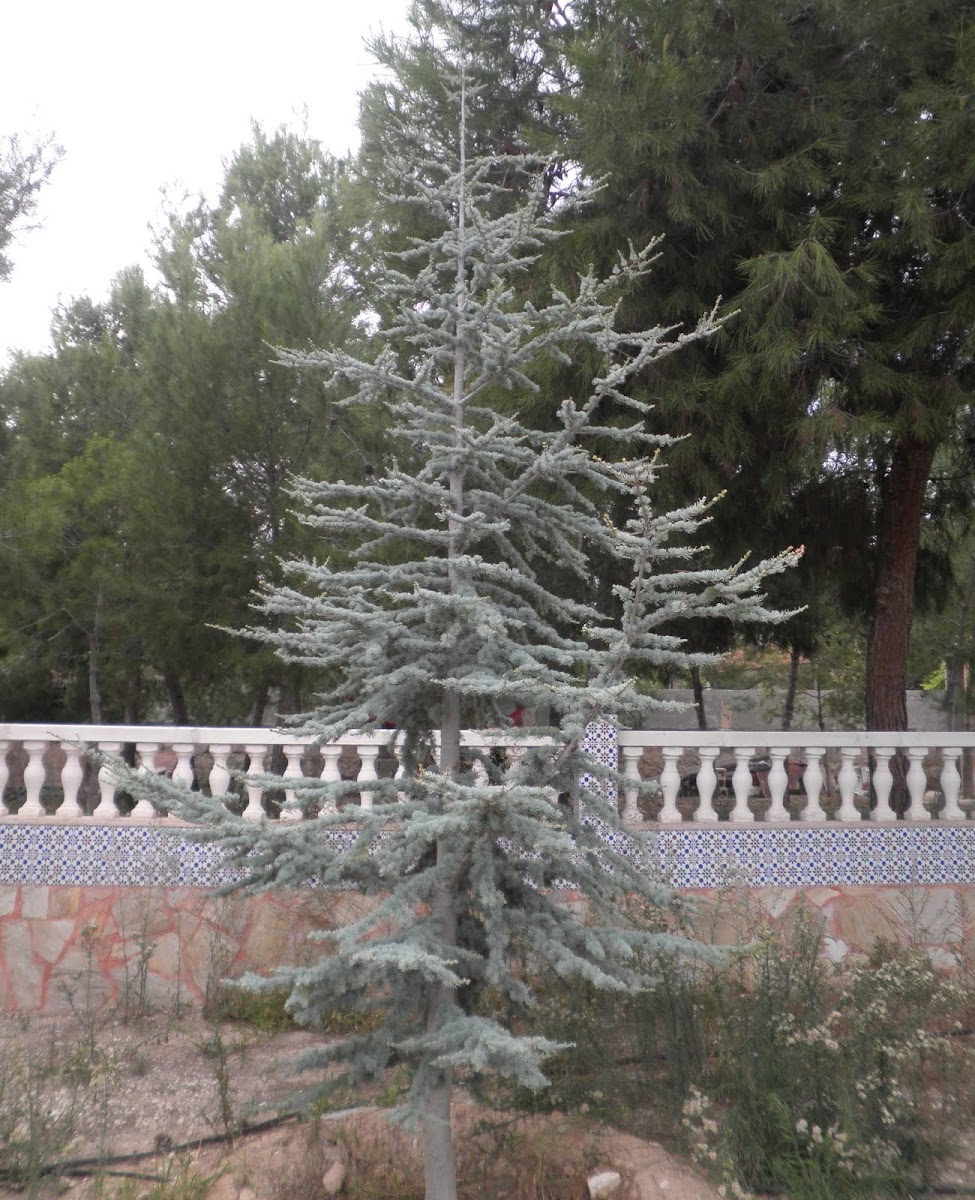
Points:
(466, 588)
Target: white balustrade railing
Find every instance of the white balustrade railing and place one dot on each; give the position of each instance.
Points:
(669, 777)
(779, 778)
(45, 772)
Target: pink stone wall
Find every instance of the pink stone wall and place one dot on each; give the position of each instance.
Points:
(106, 947)
(853, 919)
(103, 947)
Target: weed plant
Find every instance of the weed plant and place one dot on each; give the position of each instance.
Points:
(264, 1010)
(38, 1114)
(180, 1181)
(496, 1158)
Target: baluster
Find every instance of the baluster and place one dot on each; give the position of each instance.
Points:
(631, 771)
(670, 785)
(367, 772)
(400, 770)
(515, 756)
(219, 772)
(293, 753)
(478, 769)
(951, 784)
(883, 781)
(72, 774)
(778, 783)
(144, 810)
(331, 773)
(183, 771)
(916, 783)
(4, 775)
(107, 781)
(847, 780)
(812, 782)
(706, 783)
(741, 782)
(254, 809)
(34, 774)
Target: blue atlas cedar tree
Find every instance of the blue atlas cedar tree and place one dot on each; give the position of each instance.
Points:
(465, 591)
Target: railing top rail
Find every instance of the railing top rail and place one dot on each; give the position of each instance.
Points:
(240, 735)
(197, 735)
(237, 735)
(726, 739)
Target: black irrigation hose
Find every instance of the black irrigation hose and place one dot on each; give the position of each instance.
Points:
(943, 1189)
(118, 1175)
(96, 1166)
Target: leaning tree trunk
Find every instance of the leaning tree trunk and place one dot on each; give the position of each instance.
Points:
(899, 527)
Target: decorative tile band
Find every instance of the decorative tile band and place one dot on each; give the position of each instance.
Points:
(49, 854)
(105, 856)
(817, 857)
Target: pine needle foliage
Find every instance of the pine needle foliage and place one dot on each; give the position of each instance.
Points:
(466, 591)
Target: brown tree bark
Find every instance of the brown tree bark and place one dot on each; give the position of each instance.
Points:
(899, 526)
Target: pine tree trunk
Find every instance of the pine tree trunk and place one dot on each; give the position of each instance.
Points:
(698, 689)
(789, 711)
(901, 505)
(177, 700)
(94, 646)
(259, 701)
(956, 668)
(133, 683)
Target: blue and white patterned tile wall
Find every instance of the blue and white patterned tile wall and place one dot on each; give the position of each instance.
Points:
(142, 856)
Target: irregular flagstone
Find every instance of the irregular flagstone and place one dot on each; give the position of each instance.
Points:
(63, 901)
(24, 974)
(49, 938)
(861, 917)
(33, 902)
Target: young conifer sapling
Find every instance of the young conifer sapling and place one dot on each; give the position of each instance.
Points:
(467, 589)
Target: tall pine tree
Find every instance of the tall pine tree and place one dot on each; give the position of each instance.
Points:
(470, 593)
(811, 163)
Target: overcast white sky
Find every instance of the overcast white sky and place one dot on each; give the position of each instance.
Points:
(150, 93)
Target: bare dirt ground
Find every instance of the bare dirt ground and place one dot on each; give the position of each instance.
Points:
(152, 1103)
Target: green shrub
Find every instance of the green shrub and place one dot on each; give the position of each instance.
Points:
(826, 1084)
(782, 1073)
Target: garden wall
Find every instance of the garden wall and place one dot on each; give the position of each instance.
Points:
(125, 915)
